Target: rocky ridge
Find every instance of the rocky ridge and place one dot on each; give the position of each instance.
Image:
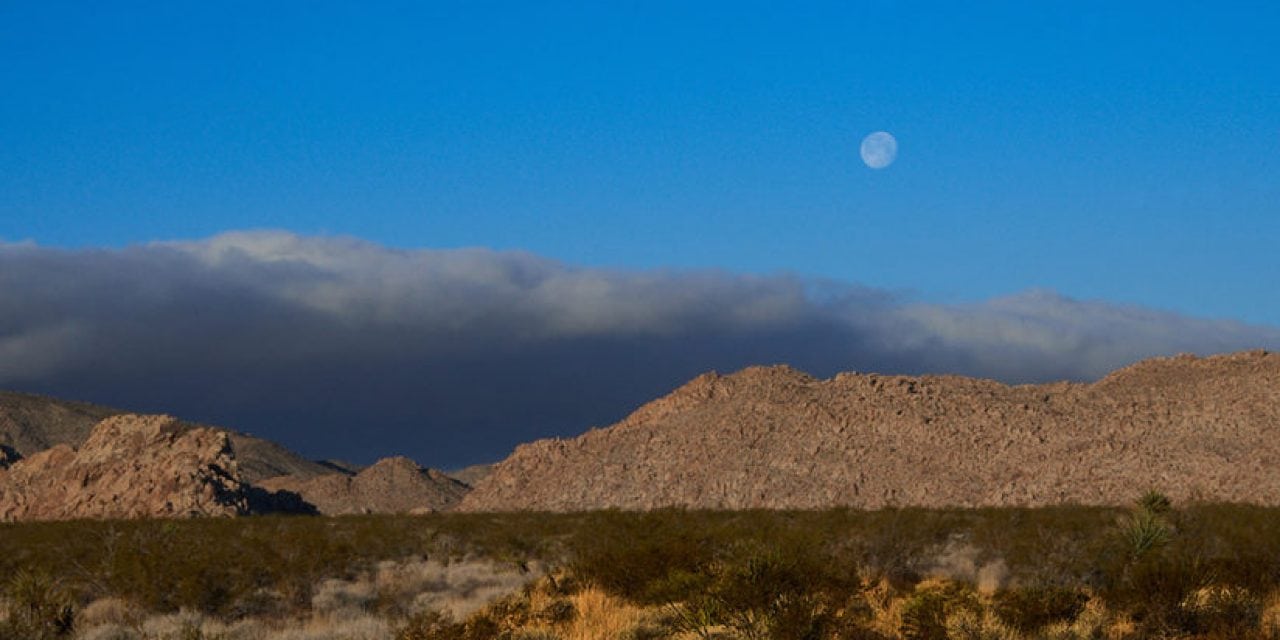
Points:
(772, 437)
(130, 466)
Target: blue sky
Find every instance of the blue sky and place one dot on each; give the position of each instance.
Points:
(1129, 153)
(1125, 153)
(655, 189)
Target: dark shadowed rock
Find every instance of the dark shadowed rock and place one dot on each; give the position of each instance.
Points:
(8, 456)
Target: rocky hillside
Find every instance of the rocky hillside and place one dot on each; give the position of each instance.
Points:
(32, 423)
(776, 438)
(129, 466)
(392, 485)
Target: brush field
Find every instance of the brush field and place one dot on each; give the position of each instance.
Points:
(1147, 571)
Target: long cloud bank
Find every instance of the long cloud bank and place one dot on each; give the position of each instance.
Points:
(344, 348)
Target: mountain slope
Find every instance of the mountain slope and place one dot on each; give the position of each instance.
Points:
(773, 437)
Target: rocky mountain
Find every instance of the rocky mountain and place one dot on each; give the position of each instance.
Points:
(31, 423)
(392, 485)
(129, 466)
(772, 437)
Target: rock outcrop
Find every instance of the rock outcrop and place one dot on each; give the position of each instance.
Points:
(392, 485)
(130, 466)
(31, 423)
(773, 437)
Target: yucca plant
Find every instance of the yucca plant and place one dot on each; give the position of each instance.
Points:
(39, 607)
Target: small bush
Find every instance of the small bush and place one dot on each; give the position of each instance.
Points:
(1030, 609)
(1222, 612)
(925, 613)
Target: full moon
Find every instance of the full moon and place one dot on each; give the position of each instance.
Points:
(879, 150)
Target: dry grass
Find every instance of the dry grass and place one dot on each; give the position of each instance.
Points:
(600, 615)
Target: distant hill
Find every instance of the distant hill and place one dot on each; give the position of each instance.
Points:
(59, 459)
(31, 423)
(773, 437)
(392, 485)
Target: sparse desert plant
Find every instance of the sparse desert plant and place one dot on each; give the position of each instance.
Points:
(432, 625)
(1155, 502)
(1222, 611)
(460, 587)
(39, 606)
(1029, 609)
(109, 631)
(183, 625)
(108, 611)
(924, 613)
(343, 596)
(347, 628)
(975, 624)
(699, 615)
(1145, 531)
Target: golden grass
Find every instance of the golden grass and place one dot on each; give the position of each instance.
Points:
(600, 616)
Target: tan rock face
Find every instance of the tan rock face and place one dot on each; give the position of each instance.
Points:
(772, 437)
(392, 485)
(130, 466)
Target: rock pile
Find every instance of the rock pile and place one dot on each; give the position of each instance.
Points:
(130, 466)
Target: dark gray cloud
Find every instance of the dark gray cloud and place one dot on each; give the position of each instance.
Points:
(343, 348)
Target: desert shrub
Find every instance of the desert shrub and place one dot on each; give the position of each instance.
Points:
(765, 591)
(432, 625)
(1029, 609)
(1154, 502)
(649, 558)
(557, 611)
(107, 611)
(39, 606)
(971, 624)
(1226, 612)
(925, 612)
(1144, 532)
(109, 632)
